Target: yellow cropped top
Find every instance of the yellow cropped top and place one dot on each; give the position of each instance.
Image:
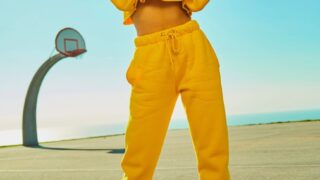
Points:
(129, 6)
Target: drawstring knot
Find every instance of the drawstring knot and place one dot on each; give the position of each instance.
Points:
(171, 36)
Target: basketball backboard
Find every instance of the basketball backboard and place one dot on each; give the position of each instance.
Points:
(70, 43)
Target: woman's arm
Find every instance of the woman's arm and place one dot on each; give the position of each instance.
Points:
(125, 5)
(195, 5)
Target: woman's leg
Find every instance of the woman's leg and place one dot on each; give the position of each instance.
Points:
(153, 97)
(202, 97)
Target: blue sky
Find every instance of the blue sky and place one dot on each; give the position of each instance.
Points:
(268, 52)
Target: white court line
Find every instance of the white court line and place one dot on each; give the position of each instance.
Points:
(27, 158)
(276, 165)
(54, 170)
(161, 168)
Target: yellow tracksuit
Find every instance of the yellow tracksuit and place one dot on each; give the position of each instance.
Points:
(130, 6)
(173, 61)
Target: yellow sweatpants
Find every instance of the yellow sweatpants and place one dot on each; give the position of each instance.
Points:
(173, 61)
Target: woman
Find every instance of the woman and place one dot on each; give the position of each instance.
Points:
(172, 56)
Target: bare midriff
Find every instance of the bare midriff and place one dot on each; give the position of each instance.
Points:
(156, 15)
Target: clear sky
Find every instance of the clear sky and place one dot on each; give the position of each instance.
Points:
(268, 51)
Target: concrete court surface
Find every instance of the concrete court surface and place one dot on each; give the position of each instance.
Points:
(284, 151)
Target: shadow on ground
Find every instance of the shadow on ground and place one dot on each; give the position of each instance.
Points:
(112, 151)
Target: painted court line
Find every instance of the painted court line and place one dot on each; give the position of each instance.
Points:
(161, 168)
(55, 170)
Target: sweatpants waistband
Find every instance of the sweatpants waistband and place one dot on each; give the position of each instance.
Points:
(167, 33)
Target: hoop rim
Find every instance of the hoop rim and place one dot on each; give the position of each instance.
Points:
(74, 53)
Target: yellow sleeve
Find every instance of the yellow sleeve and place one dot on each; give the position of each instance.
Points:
(195, 5)
(125, 5)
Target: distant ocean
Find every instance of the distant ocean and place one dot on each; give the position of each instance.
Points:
(13, 137)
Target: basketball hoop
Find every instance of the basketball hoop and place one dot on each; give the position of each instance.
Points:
(74, 53)
(70, 43)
